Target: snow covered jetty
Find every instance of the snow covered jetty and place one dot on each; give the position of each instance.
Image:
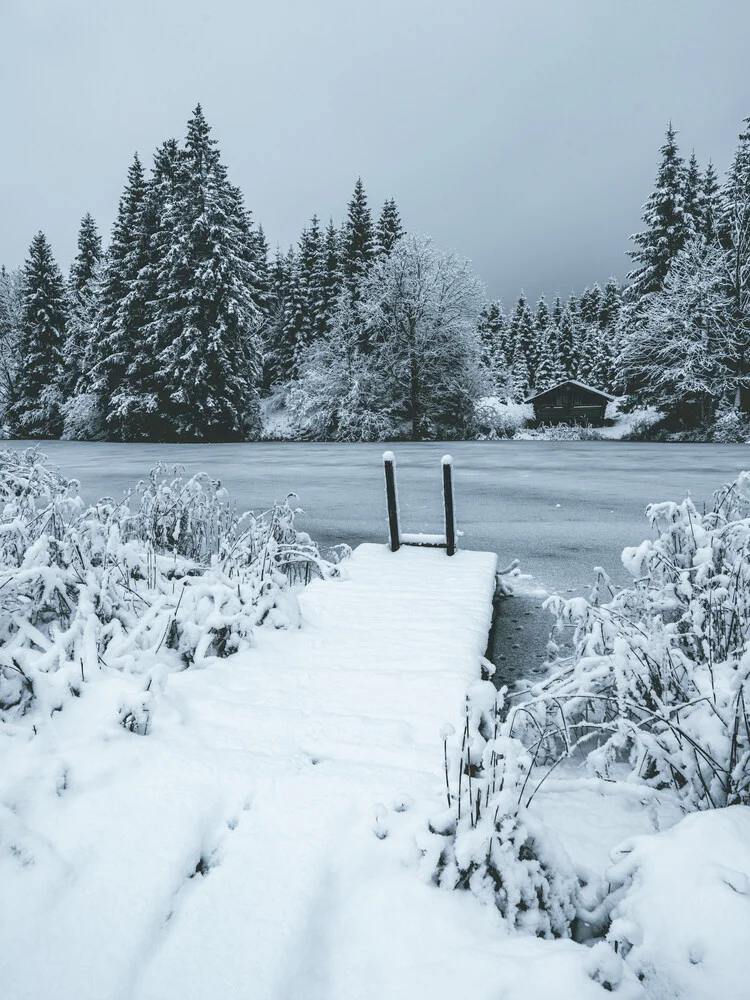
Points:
(237, 849)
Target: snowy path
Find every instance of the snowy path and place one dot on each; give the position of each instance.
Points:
(232, 853)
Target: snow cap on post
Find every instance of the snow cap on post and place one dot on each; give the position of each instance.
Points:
(388, 456)
(447, 460)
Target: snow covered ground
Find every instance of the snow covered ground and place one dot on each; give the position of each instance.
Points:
(231, 852)
(260, 841)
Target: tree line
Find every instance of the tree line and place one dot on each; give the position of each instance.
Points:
(183, 326)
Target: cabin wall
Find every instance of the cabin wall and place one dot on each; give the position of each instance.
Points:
(570, 405)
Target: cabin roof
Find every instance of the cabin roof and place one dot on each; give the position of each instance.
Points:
(570, 381)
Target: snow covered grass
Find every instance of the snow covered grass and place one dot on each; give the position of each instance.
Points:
(164, 578)
(558, 432)
(660, 678)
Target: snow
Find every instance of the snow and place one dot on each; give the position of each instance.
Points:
(684, 916)
(260, 777)
(421, 538)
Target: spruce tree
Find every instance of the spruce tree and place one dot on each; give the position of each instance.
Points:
(36, 410)
(734, 231)
(11, 313)
(542, 318)
(138, 408)
(119, 317)
(666, 222)
(82, 304)
(492, 328)
(549, 369)
(331, 281)
(710, 204)
(692, 196)
(358, 240)
(211, 363)
(519, 379)
(523, 334)
(389, 229)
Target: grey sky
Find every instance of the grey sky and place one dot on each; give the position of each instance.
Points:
(524, 134)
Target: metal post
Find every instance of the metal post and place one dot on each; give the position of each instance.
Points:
(450, 521)
(389, 463)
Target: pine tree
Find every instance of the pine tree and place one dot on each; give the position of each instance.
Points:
(310, 288)
(36, 411)
(278, 350)
(692, 196)
(549, 370)
(666, 223)
(710, 204)
(11, 313)
(332, 279)
(358, 240)
(82, 304)
(542, 316)
(492, 328)
(523, 334)
(119, 315)
(569, 338)
(734, 231)
(519, 379)
(557, 312)
(389, 229)
(207, 318)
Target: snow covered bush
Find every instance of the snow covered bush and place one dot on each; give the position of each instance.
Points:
(487, 840)
(677, 906)
(172, 575)
(558, 432)
(497, 418)
(660, 678)
(731, 427)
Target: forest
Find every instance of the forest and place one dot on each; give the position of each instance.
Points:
(185, 328)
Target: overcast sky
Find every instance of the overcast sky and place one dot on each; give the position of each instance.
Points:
(523, 133)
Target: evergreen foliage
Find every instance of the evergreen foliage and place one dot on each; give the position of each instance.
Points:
(666, 222)
(358, 247)
(36, 410)
(389, 229)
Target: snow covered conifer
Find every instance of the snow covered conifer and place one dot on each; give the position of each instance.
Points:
(119, 315)
(692, 195)
(389, 228)
(710, 203)
(82, 298)
(542, 316)
(519, 378)
(208, 319)
(11, 312)
(523, 333)
(358, 239)
(36, 410)
(331, 281)
(549, 370)
(666, 222)
(734, 232)
(492, 328)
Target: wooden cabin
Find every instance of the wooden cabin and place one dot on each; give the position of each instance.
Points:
(570, 402)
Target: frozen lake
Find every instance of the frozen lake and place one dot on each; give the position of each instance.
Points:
(560, 507)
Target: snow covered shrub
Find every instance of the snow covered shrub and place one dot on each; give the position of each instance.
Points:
(558, 432)
(497, 418)
(487, 840)
(173, 579)
(660, 677)
(677, 906)
(731, 427)
(83, 418)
